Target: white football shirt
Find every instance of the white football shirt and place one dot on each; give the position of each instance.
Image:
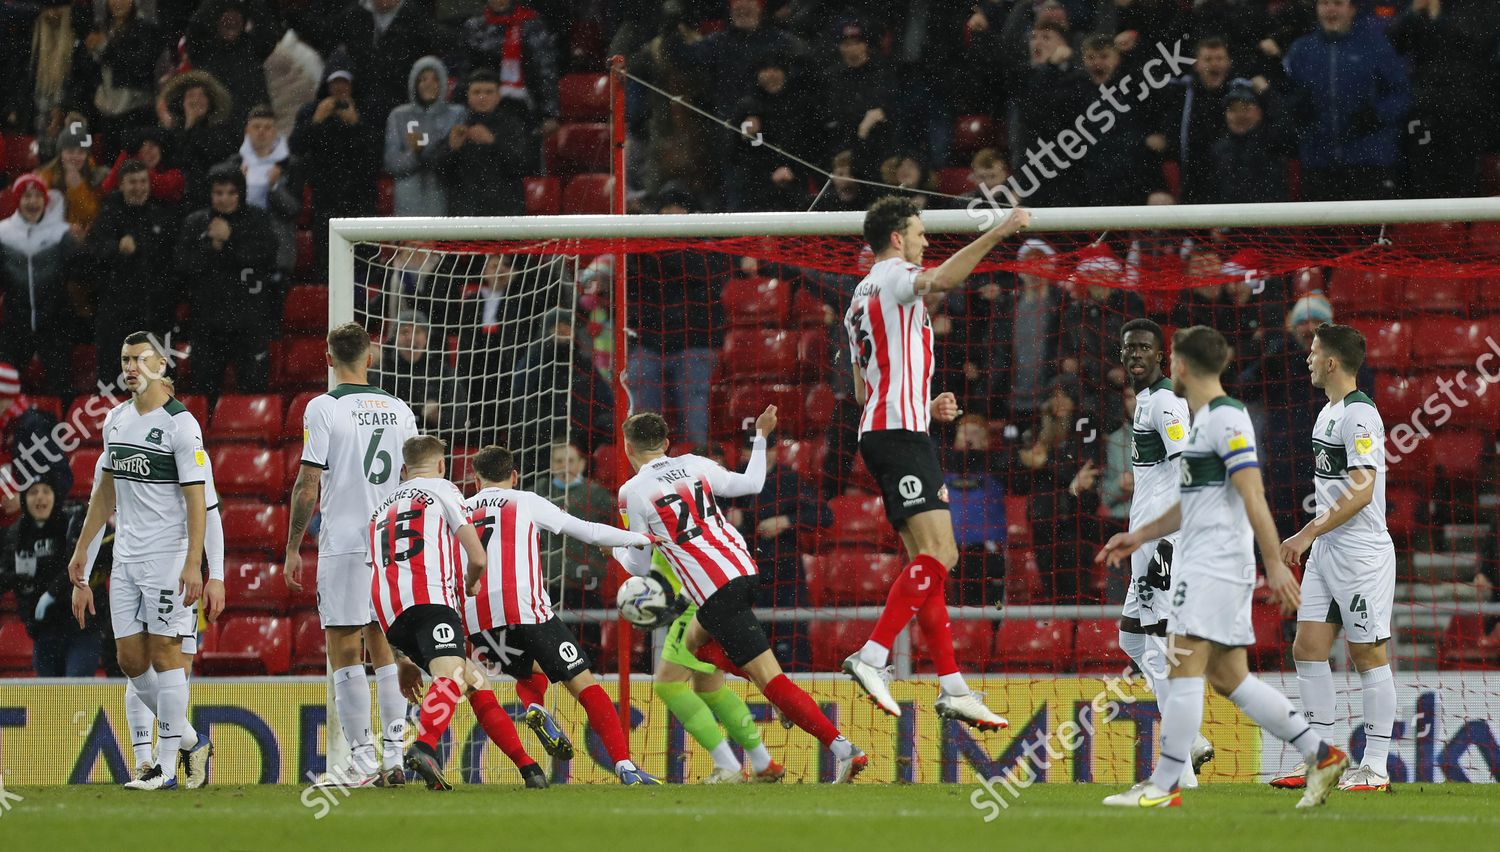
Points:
(354, 433)
(1158, 436)
(1349, 436)
(1216, 538)
(151, 456)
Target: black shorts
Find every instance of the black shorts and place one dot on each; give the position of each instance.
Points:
(427, 631)
(512, 650)
(729, 616)
(905, 464)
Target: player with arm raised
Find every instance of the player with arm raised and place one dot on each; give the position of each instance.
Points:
(1222, 515)
(153, 477)
(1158, 435)
(140, 704)
(890, 338)
(351, 461)
(508, 613)
(1350, 578)
(414, 537)
(674, 499)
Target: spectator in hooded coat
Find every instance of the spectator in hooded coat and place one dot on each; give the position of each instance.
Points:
(412, 136)
(196, 110)
(231, 39)
(36, 253)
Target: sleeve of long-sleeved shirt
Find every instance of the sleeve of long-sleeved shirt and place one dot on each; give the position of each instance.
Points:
(400, 160)
(553, 519)
(727, 483)
(635, 560)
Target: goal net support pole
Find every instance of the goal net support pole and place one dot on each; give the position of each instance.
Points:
(622, 398)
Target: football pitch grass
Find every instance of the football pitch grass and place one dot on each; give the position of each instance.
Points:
(790, 817)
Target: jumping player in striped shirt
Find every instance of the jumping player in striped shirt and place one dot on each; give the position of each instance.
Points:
(890, 338)
(414, 537)
(509, 616)
(675, 499)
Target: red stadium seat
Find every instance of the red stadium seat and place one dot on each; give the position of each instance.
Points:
(87, 415)
(812, 353)
(588, 193)
(1449, 341)
(543, 196)
(250, 644)
(756, 301)
(247, 417)
(832, 641)
(1453, 295)
(850, 577)
(1270, 648)
(50, 404)
(1457, 453)
(291, 427)
(806, 457)
(292, 465)
(859, 522)
(754, 353)
(306, 309)
(307, 259)
(1401, 513)
(1018, 520)
(1096, 647)
(608, 657)
(246, 471)
(1034, 646)
(973, 645)
(808, 310)
(578, 147)
(1397, 395)
(81, 462)
(1023, 581)
(20, 154)
(253, 585)
(972, 132)
(956, 180)
(250, 525)
(1387, 344)
(1466, 646)
(817, 412)
(1483, 409)
(196, 406)
(1354, 292)
(308, 597)
(15, 648)
(309, 645)
(461, 467)
(301, 364)
(583, 97)
(605, 467)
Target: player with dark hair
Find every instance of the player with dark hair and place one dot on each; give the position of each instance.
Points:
(508, 614)
(1350, 578)
(1222, 515)
(891, 343)
(1158, 434)
(414, 538)
(676, 500)
(352, 435)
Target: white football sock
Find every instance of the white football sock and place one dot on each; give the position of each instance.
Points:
(760, 757)
(1379, 691)
(351, 694)
(171, 717)
(1181, 717)
(875, 654)
(1274, 712)
(1134, 646)
(953, 684)
(1315, 685)
(139, 718)
(392, 715)
(724, 757)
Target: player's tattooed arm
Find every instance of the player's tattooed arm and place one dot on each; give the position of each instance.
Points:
(304, 501)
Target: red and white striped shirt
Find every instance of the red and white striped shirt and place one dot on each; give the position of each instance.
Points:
(890, 338)
(414, 548)
(512, 589)
(674, 499)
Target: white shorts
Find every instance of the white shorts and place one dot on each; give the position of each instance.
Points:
(1211, 608)
(1355, 590)
(1145, 600)
(344, 590)
(145, 596)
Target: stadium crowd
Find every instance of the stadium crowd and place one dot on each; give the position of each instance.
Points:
(172, 166)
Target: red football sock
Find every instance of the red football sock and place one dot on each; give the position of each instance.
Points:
(713, 654)
(499, 728)
(436, 710)
(936, 630)
(605, 720)
(906, 597)
(800, 708)
(533, 689)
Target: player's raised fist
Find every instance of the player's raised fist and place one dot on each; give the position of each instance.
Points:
(1018, 220)
(766, 422)
(944, 408)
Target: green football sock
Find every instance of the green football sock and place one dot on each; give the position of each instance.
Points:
(734, 715)
(692, 712)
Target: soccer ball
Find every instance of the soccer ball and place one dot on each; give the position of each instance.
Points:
(642, 601)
